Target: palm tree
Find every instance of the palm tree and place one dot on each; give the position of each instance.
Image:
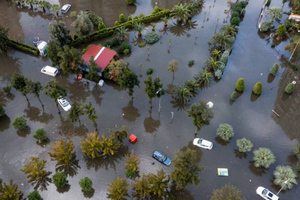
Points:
(225, 132)
(139, 27)
(275, 13)
(230, 29)
(109, 145)
(165, 20)
(75, 112)
(221, 39)
(285, 177)
(91, 113)
(173, 67)
(62, 152)
(141, 188)
(31, 2)
(213, 64)
(153, 26)
(55, 8)
(192, 86)
(91, 145)
(54, 91)
(159, 183)
(263, 157)
(44, 5)
(216, 54)
(10, 191)
(204, 77)
(34, 169)
(132, 162)
(122, 33)
(182, 94)
(35, 88)
(181, 12)
(244, 145)
(21, 84)
(117, 189)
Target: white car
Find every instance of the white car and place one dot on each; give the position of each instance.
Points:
(64, 104)
(48, 70)
(205, 144)
(65, 8)
(266, 194)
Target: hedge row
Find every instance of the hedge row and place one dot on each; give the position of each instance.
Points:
(110, 30)
(23, 47)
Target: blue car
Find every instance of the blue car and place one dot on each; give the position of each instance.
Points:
(161, 158)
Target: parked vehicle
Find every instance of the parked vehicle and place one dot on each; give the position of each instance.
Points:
(65, 8)
(64, 104)
(161, 158)
(42, 47)
(205, 144)
(266, 194)
(48, 70)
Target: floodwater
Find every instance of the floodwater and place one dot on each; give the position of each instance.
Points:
(250, 116)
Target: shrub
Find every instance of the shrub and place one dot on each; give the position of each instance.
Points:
(243, 4)
(191, 63)
(116, 23)
(281, 30)
(290, 88)
(243, 12)
(225, 132)
(240, 85)
(268, 3)
(257, 89)
(122, 18)
(135, 17)
(149, 71)
(73, 14)
(151, 37)
(233, 96)
(218, 74)
(235, 14)
(19, 123)
(2, 110)
(130, 2)
(244, 145)
(7, 89)
(294, 67)
(40, 135)
(273, 45)
(222, 67)
(235, 21)
(59, 179)
(129, 18)
(35, 195)
(123, 46)
(75, 37)
(224, 57)
(238, 8)
(156, 10)
(115, 42)
(126, 52)
(141, 15)
(263, 157)
(141, 44)
(101, 26)
(265, 26)
(274, 69)
(86, 184)
(108, 43)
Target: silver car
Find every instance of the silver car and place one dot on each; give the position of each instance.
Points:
(64, 104)
(205, 144)
(65, 8)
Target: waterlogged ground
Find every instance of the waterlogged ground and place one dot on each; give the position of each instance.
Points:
(250, 116)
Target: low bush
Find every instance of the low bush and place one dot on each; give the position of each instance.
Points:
(233, 96)
(135, 17)
(273, 45)
(281, 30)
(20, 123)
(129, 18)
(23, 47)
(243, 4)
(149, 71)
(265, 26)
(274, 69)
(156, 10)
(240, 85)
(294, 67)
(7, 89)
(126, 52)
(225, 132)
(235, 21)
(59, 179)
(123, 46)
(151, 37)
(86, 184)
(108, 44)
(257, 89)
(73, 14)
(238, 8)
(235, 14)
(101, 26)
(218, 74)
(115, 42)
(141, 44)
(35, 195)
(130, 2)
(290, 88)
(122, 18)
(191, 63)
(116, 23)
(224, 57)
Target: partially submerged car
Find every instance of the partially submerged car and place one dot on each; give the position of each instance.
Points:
(48, 70)
(161, 158)
(65, 8)
(266, 194)
(64, 104)
(205, 144)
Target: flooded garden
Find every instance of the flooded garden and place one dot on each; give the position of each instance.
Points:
(166, 126)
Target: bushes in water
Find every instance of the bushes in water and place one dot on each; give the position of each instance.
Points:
(151, 37)
(235, 14)
(149, 71)
(240, 85)
(224, 57)
(126, 52)
(257, 89)
(233, 96)
(265, 26)
(218, 74)
(141, 44)
(123, 46)
(290, 88)
(235, 21)
(274, 69)
(191, 63)
(122, 18)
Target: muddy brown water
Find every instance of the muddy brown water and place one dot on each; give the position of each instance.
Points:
(250, 116)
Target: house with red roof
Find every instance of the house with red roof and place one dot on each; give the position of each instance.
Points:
(102, 57)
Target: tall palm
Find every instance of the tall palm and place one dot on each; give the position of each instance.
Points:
(230, 29)
(55, 8)
(35, 88)
(221, 39)
(91, 113)
(275, 13)
(182, 94)
(118, 189)
(139, 27)
(192, 86)
(45, 5)
(173, 67)
(141, 187)
(213, 64)
(109, 145)
(181, 12)
(216, 54)
(159, 183)
(122, 33)
(204, 77)
(54, 91)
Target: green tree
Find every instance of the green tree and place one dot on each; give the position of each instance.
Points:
(173, 67)
(20, 123)
(204, 78)
(128, 80)
(86, 184)
(10, 192)
(76, 111)
(122, 33)
(285, 177)
(158, 183)
(181, 12)
(122, 18)
(230, 29)
(7, 89)
(35, 88)
(274, 69)
(244, 145)
(182, 94)
(201, 115)
(2, 110)
(297, 148)
(290, 88)
(95, 19)
(139, 27)
(4, 42)
(20, 83)
(93, 74)
(83, 24)
(265, 26)
(120, 134)
(228, 192)
(152, 88)
(281, 30)
(132, 161)
(62, 152)
(185, 169)
(59, 33)
(222, 40)
(192, 86)
(216, 54)
(59, 179)
(68, 59)
(233, 96)
(35, 195)
(54, 91)
(35, 169)
(212, 64)
(53, 51)
(40, 135)
(225, 132)
(141, 187)
(44, 5)
(263, 157)
(257, 89)
(109, 145)
(118, 189)
(55, 8)
(130, 2)
(117, 67)
(275, 13)
(240, 85)
(91, 145)
(91, 113)
(30, 2)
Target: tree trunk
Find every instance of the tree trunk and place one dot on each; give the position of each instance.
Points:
(40, 102)
(57, 107)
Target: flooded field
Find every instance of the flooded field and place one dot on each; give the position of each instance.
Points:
(250, 116)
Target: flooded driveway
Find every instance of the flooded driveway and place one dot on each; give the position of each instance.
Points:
(250, 116)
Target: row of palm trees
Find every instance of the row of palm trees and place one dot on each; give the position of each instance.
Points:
(39, 4)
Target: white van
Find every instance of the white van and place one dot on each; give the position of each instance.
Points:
(48, 70)
(65, 8)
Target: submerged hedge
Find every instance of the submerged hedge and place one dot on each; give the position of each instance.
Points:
(23, 47)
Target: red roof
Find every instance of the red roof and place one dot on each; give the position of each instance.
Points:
(102, 56)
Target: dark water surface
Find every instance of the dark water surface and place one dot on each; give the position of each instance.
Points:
(250, 116)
